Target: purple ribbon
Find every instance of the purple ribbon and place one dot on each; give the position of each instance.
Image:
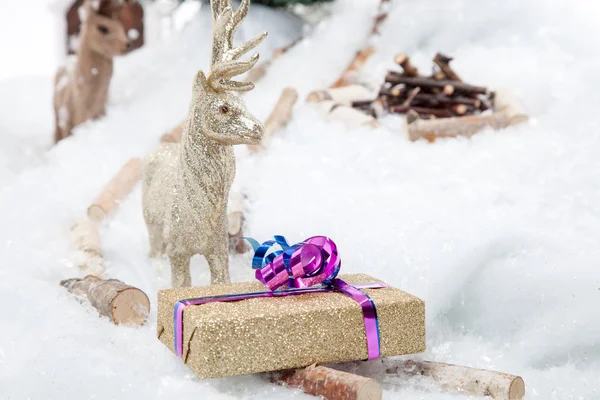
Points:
(301, 267)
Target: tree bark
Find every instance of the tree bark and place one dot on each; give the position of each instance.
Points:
(328, 383)
(116, 190)
(463, 380)
(123, 304)
(442, 113)
(349, 75)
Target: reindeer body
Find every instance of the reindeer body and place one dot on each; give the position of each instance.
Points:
(186, 185)
(81, 89)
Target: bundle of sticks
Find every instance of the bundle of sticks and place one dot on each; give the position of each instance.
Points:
(443, 94)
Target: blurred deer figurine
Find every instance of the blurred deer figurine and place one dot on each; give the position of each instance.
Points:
(186, 185)
(81, 90)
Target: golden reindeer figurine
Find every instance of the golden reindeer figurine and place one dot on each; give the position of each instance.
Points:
(186, 185)
(81, 91)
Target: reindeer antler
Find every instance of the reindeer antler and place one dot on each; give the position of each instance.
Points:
(224, 65)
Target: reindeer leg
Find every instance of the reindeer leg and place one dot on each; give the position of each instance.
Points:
(218, 262)
(157, 244)
(180, 270)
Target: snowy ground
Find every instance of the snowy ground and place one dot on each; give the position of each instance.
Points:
(498, 234)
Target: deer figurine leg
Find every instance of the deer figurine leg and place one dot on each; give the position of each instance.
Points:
(218, 262)
(180, 270)
(157, 243)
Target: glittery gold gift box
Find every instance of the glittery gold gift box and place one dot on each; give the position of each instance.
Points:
(266, 334)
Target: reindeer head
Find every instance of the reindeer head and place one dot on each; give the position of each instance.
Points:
(102, 30)
(218, 112)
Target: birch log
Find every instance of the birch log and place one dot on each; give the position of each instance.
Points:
(116, 190)
(123, 304)
(279, 117)
(328, 383)
(235, 222)
(349, 116)
(507, 113)
(88, 248)
(343, 95)
(174, 135)
(463, 380)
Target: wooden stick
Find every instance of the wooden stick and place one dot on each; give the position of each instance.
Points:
(87, 242)
(460, 126)
(235, 222)
(174, 135)
(443, 62)
(258, 72)
(343, 95)
(411, 96)
(403, 60)
(361, 57)
(463, 380)
(349, 74)
(123, 304)
(347, 115)
(396, 78)
(280, 116)
(116, 190)
(421, 110)
(328, 383)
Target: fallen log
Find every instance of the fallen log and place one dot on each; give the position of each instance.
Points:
(462, 380)
(116, 190)
(123, 304)
(328, 383)
(88, 248)
(279, 117)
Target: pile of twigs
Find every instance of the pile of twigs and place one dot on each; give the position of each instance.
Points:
(443, 94)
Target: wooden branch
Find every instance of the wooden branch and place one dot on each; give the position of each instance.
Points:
(443, 62)
(123, 304)
(411, 96)
(349, 74)
(396, 78)
(259, 71)
(463, 380)
(116, 190)
(347, 115)
(461, 126)
(87, 242)
(343, 95)
(328, 383)
(174, 135)
(403, 61)
(280, 116)
(235, 222)
(442, 113)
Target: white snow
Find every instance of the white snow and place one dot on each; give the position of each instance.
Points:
(498, 234)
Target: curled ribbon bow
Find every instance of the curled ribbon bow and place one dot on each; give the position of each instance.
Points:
(305, 264)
